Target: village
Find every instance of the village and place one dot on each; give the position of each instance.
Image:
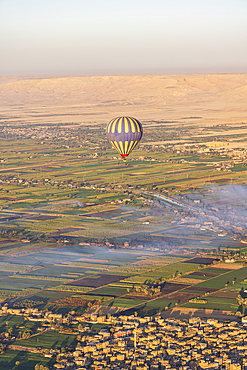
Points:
(133, 342)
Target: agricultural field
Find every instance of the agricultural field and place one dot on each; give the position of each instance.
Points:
(151, 307)
(214, 303)
(125, 302)
(79, 225)
(27, 360)
(61, 286)
(49, 339)
(78, 191)
(163, 273)
(226, 279)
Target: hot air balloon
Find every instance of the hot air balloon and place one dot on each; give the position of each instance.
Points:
(124, 133)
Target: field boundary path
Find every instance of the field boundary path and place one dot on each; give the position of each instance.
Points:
(22, 348)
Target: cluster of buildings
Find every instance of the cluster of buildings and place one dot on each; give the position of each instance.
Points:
(135, 343)
(32, 182)
(211, 148)
(35, 132)
(155, 343)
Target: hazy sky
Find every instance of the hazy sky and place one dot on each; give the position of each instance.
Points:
(122, 36)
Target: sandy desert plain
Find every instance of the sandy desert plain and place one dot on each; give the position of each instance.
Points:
(82, 232)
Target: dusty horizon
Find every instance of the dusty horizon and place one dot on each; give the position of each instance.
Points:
(213, 98)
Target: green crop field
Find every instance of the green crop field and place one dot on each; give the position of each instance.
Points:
(215, 270)
(50, 339)
(123, 302)
(10, 321)
(17, 283)
(13, 267)
(164, 273)
(190, 276)
(18, 324)
(215, 303)
(237, 288)
(228, 278)
(151, 308)
(27, 360)
(47, 296)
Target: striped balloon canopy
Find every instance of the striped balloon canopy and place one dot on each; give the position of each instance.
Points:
(124, 133)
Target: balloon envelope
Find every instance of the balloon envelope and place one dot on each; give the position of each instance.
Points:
(124, 133)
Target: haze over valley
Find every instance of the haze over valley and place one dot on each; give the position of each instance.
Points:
(179, 99)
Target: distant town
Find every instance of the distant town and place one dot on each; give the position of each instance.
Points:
(133, 342)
